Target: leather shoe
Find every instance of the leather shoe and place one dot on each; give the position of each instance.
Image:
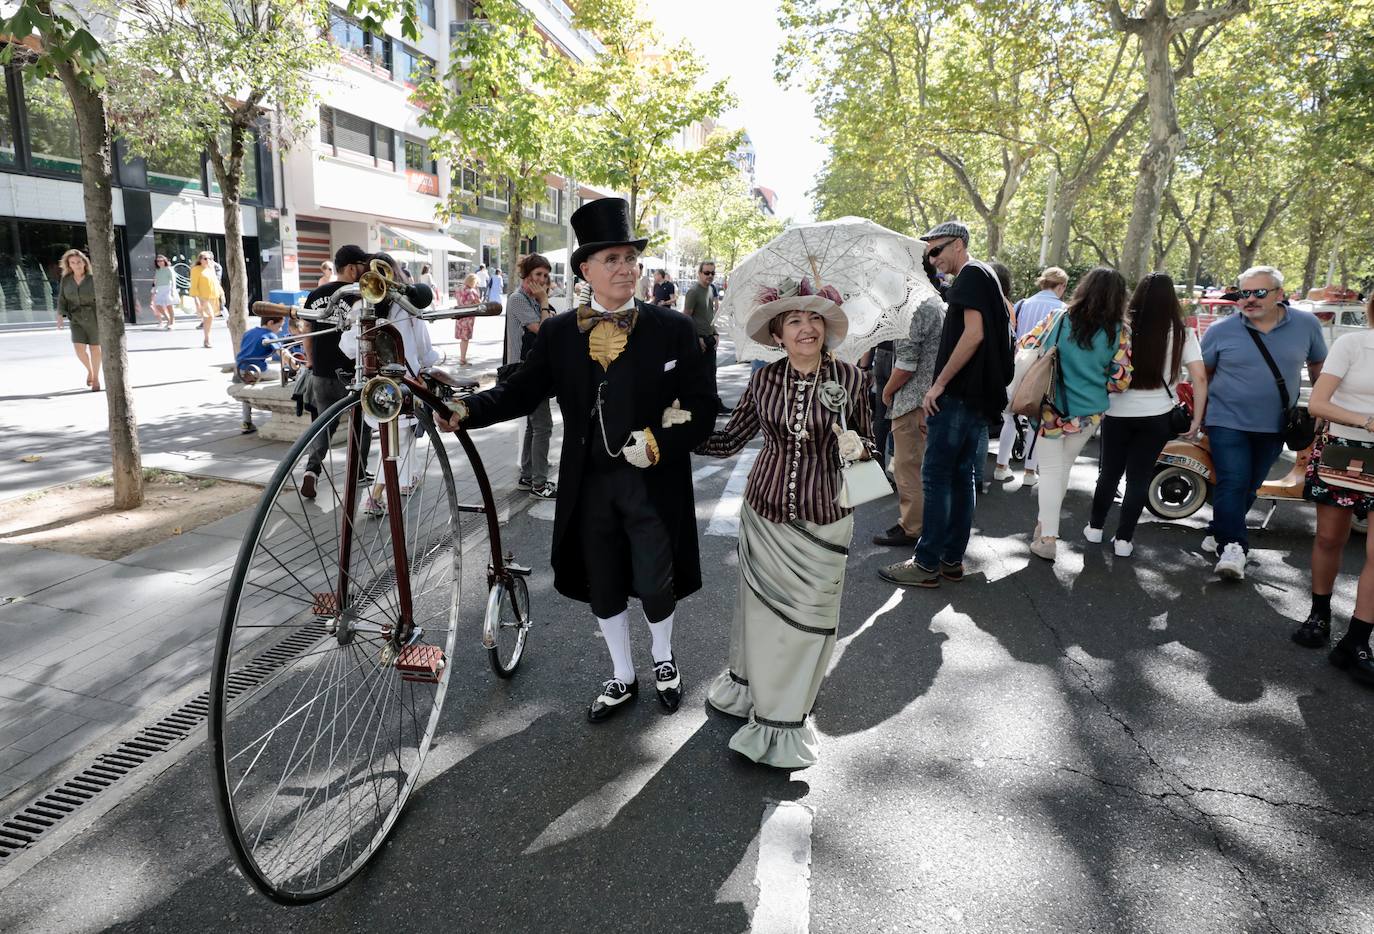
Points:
(1354, 659)
(308, 485)
(895, 538)
(668, 684)
(952, 572)
(615, 695)
(1314, 632)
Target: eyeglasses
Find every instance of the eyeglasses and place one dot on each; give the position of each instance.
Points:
(1256, 293)
(710, 275)
(630, 260)
(937, 250)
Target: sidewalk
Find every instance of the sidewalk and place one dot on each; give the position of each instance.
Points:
(88, 646)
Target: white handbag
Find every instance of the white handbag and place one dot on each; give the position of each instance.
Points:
(861, 481)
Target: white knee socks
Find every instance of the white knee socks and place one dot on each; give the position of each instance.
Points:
(663, 638)
(616, 631)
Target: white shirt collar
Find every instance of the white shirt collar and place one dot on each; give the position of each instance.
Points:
(602, 309)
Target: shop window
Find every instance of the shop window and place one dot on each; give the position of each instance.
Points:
(176, 172)
(29, 277)
(53, 143)
(8, 156)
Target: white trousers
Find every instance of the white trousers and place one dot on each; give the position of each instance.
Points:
(1008, 440)
(1056, 462)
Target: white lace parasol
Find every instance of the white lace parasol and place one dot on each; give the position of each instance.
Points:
(878, 271)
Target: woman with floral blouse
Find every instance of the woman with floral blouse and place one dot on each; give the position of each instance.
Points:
(794, 536)
(1093, 345)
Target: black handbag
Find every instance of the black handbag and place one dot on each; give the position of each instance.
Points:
(1180, 419)
(1299, 428)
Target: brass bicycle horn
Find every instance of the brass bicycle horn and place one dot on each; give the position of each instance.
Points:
(376, 283)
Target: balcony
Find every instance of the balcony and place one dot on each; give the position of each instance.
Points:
(457, 30)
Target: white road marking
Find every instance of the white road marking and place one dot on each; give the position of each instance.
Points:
(598, 809)
(725, 519)
(784, 873)
(710, 470)
(543, 510)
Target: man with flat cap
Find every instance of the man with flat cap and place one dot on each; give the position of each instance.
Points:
(636, 397)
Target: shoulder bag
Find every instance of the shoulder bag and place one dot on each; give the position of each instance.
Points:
(1038, 383)
(861, 481)
(1180, 419)
(1347, 468)
(1299, 429)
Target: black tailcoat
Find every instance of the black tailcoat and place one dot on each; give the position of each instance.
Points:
(661, 362)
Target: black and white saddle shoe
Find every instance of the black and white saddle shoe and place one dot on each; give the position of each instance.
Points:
(668, 684)
(614, 695)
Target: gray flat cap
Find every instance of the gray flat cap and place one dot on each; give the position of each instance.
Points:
(948, 229)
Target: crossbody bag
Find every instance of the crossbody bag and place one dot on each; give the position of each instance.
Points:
(1299, 429)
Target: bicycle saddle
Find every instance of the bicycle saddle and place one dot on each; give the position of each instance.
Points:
(461, 383)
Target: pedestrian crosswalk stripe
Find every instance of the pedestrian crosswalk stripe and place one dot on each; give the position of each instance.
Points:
(725, 518)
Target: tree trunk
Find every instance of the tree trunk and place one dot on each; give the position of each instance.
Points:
(96, 188)
(1194, 264)
(1316, 241)
(228, 169)
(1157, 161)
(514, 224)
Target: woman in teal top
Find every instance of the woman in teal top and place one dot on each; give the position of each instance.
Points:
(1094, 348)
(76, 303)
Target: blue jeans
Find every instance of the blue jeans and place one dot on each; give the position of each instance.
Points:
(947, 478)
(1242, 460)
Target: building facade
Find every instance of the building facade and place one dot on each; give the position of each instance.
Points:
(169, 207)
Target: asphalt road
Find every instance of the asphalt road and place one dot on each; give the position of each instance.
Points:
(1103, 744)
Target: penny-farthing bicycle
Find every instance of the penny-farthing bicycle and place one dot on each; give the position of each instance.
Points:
(342, 612)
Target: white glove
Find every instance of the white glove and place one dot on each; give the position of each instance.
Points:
(636, 450)
(582, 295)
(851, 448)
(675, 415)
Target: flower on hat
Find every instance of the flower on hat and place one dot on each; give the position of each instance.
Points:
(791, 288)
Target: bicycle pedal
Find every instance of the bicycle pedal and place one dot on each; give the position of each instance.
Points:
(421, 663)
(326, 605)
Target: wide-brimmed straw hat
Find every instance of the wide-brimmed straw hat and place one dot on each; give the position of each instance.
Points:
(790, 295)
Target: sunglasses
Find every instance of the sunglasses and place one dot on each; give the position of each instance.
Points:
(710, 275)
(937, 250)
(1256, 293)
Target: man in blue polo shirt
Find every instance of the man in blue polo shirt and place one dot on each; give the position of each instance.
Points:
(1244, 407)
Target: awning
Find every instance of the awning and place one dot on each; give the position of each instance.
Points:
(429, 239)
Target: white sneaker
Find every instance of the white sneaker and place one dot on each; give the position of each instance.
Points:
(1093, 535)
(1122, 549)
(1000, 473)
(1030, 478)
(1231, 566)
(1209, 544)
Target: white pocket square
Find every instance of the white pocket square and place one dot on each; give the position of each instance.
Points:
(669, 365)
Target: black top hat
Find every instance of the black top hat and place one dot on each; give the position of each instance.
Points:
(599, 224)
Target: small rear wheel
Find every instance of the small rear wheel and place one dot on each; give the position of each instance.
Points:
(507, 624)
(1176, 493)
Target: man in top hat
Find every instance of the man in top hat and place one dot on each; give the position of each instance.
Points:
(636, 398)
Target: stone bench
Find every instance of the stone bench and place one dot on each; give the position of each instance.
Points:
(270, 396)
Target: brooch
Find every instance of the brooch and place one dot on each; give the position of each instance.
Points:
(833, 396)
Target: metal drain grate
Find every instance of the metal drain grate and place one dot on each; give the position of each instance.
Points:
(26, 827)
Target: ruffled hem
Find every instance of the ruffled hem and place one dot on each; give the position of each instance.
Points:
(729, 696)
(793, 747)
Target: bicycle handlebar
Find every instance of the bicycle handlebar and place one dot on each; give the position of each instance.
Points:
(297, 313)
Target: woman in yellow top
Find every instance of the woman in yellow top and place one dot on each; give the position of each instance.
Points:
(207, 291)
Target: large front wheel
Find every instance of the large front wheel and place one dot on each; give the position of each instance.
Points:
(320, 716)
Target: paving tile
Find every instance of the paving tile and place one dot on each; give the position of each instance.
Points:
(36, 763)
(29, 569)
(28, 630)
(193, 555)
(114, 590)
(47, 731)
